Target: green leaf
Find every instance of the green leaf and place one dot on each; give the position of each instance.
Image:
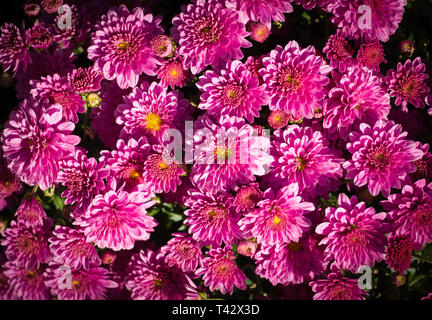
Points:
(58, 202)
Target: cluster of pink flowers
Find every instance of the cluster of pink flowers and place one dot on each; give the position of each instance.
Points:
(267, 145)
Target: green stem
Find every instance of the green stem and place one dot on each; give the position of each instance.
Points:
(421, 258)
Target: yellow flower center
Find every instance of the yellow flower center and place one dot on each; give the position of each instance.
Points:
(153, 122)
(124, 45)
(294, 246)
(276, 220)
(222, 153)
(301, 164)
(163, 165)
(174, 73)
(133, 174)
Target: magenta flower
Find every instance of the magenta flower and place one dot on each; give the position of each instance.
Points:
(371, 55)
(408, 83)
(82, 177)
(150, 110)
(35, 139)
(295, 79)
(358, 97)
(279, 218)
(382, 157)
(291, 262)
(121, 45)
(211, 218)
(339, 52)
(232, 154)
(69, 247)
(127, 161)
(171, 73)
(151, 278)
(30, 212)
(247, 197)
(208, 33)
(51, 6)
(233, 92)
(39, 37)
(259, 32)
(399, 252)
(411, 211)
(264, 11)
(278, 119)
(84, 80)
(337, 287)
(57, 90)
(423, 165)
(162, 46)
(162, 172)
(354, 235)
(220, 271)
(103, 120)
(14, 54)
(183, 251)
(88, 284)
(27, 284)
(302, 156)
(27, 247)
(117, 219)
(353, 19)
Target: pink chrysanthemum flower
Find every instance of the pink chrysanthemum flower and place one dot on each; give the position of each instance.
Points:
(247, 197)
(83, 80)
(30, 212)
(162, 172)
(371, 55)
(117, 219)
(358, 97)
(211, 218)
(337, 287)
(88, 284)
(27, 247)
(127, 161)
(182, 250)
(220, 271)
(162, 46)
(367, 20)
(408, 83)
(339, 52)
(39, 37)
(295, 79)
(247, 248)
(264, 11)
(69, 247)
(47, 62)
(423, 165)
(381, 157)
(290, 262)
(354, 235)
(121, 45)
(171, 73)
(103, 120)
(35, 139)
(151, 278)
(278, 119)
(280, 218)
(14, 54)
(31, 9)
(27, 284)
(150, 110)
(302, 156)
(82, 177)
(233, 154)
(57, 90)
(259, 32)
(233, 92)
(411, 211)
(51, 6)
(209, 34)
(399, 252)
(407, 47)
